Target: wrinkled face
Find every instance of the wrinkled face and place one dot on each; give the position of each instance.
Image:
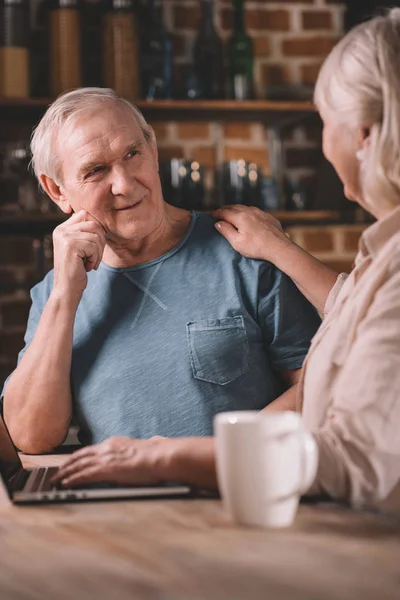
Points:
(340, 145)
(109, 170)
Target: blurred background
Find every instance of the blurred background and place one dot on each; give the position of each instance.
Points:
(227, 86)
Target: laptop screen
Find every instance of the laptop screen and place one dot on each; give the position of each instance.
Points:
(10, 463)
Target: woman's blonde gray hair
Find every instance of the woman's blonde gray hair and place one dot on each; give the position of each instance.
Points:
(359, 85)
(45, 159)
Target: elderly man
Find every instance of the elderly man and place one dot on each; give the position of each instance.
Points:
(150, 323)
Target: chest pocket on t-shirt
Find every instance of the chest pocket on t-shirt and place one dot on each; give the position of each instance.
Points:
(219, 349)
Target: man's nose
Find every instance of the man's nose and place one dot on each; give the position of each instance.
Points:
(121, 181)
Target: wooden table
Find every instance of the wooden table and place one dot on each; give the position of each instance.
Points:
(189, 550)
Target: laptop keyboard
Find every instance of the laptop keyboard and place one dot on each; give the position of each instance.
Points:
(39, 480)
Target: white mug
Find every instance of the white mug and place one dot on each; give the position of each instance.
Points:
(265, 462)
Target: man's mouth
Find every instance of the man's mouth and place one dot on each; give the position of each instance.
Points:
(130, 206)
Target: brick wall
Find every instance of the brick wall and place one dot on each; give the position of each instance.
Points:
(291, 40)
(334, 245)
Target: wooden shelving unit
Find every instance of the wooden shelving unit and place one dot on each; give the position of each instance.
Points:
(255, 110)
(25, 112)
(296, 217)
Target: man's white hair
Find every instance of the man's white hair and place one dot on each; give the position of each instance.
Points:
(45, 159)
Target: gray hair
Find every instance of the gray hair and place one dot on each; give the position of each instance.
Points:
(45, 158)
(359, 86)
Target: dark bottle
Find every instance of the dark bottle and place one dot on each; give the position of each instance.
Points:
(14, 53)
(241, 57)
(92, 19)
(156, 56)
(208, 56)
(121, 49)
(65, 45)
(39, 49)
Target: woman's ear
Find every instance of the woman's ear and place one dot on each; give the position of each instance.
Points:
(366, 138)
(363, 142)
(53, 190)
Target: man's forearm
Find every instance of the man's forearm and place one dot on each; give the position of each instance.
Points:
(37, 402)
(192, 461)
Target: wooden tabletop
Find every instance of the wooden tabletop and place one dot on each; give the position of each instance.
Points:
(189, 550)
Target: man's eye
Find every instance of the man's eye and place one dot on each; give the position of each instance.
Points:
(132, 153)
(94, 171)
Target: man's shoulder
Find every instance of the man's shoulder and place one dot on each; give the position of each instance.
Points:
(207, 235)
(214, 257)
(204, 223)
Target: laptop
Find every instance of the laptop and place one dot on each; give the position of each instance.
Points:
(33, 486)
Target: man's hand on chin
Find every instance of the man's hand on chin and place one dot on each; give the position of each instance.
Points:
(128, 461)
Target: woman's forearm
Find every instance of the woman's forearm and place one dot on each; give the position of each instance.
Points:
(314, 279)
(287, 401)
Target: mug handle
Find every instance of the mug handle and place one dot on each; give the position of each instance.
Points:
(308, 461)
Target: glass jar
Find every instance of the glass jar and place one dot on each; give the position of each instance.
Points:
(92, 19)
(121, 49)
(14, 53)
(65, 45)
(39, 49)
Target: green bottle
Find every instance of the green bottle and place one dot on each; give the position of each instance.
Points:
(241, 57)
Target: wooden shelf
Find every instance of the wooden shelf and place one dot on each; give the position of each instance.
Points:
(294, 217)
(33, 218)
(30, 224)
(25, 102)
(257, 110)
(163, 110)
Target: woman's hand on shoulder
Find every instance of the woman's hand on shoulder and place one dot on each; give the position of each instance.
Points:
(251, 231)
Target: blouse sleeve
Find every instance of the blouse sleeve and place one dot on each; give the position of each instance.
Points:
(359, 442)
(334, 293)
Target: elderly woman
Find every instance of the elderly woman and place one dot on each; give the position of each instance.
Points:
(350, 397)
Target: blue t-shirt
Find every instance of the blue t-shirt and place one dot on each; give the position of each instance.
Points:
(161, 347)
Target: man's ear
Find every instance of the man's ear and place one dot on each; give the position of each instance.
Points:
(53, 190)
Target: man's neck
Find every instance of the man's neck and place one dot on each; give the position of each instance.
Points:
(168, 233)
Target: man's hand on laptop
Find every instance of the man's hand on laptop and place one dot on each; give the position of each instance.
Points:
(120, 460)
(78, 248)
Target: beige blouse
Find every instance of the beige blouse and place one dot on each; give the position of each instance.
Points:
(350, 393)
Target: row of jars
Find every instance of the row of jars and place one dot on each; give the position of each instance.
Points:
(49, 46)
(185, 183)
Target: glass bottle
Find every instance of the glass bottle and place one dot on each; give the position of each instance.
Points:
(208, 56)
(156, 55)
(14, 52)
(241, 57)
(121, 49)
(92, 19)
(39, 49)
(65, 45)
